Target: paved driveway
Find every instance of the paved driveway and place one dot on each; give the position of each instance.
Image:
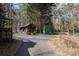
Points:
(26, 38)
(34, 45)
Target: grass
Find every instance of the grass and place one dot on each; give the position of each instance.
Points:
(9, 48)
(65, 45)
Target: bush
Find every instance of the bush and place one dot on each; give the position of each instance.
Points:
(77, 34)
(31, 33)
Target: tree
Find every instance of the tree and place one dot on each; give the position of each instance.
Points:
(38, 14)
(1, 11)
(64, 16)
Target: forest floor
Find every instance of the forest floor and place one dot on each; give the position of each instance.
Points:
(67, 45)
(9, 48)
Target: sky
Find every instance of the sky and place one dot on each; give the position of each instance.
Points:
(16, 5)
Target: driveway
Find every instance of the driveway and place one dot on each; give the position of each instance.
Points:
(26, 38)
(34, 45)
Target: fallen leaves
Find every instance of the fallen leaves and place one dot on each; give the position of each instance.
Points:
(65, 45)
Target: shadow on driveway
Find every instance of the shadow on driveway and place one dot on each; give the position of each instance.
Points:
(23, 49)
